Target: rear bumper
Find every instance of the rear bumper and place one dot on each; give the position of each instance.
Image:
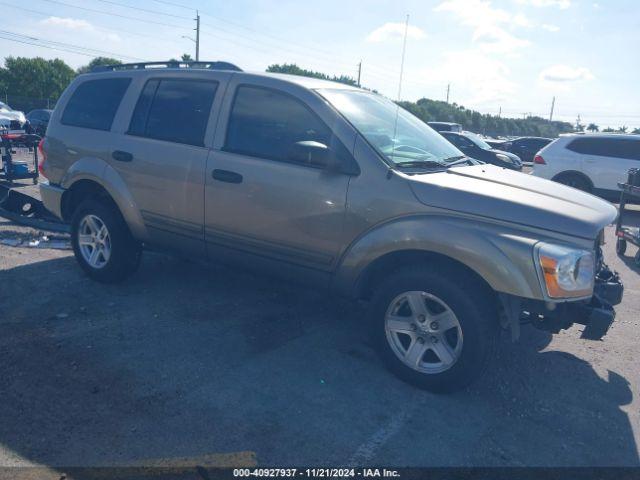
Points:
(52, 198)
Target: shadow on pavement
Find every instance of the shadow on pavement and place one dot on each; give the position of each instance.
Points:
(186, 361)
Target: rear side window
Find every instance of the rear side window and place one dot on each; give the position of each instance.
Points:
(267, 124)
(607, 147)
(94, 103)
(174, 110)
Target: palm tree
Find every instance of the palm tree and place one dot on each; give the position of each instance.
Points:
(636, 131)
(592, 127)
(623, 129)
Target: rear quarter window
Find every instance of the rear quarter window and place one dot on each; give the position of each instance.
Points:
(607, 147)
(94, 103)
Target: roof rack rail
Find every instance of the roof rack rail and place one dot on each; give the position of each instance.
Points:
(216, 65)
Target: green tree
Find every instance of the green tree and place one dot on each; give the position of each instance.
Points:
(622, 129)
(592, 127)
(186, 57)
(608, 130)
(293, 69)
(97, 62)
(30, 80)
(636, 131)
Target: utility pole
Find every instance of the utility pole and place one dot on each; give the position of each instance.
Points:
(448, 90)
(197, 36)
(553, 104)
(499, 112)
(404, 49)
(359, 71)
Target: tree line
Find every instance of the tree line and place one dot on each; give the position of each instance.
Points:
(28, 83)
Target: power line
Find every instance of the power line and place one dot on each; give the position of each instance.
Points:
(111, 29)
(68, 47)
(173, 25)
(146, 10)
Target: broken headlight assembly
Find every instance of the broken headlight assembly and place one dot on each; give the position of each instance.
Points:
(566, 272)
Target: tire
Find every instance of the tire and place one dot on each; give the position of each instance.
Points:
(575, 181)
(636, 259)
(121, 253)
(621, 246)
(477, 327)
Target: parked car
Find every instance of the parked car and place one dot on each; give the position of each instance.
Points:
(38, 121)
(525, 147)
(445, 126)
(474, 147)
(593, 163)
(329, 185)
(11, 119)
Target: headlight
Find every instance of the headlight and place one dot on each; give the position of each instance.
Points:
(567, 272)
(503, 158)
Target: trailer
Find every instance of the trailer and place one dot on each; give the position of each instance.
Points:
(630, 193)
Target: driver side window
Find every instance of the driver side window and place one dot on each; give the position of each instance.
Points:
(267, 124)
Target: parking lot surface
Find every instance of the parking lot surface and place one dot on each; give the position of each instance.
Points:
(194, 363)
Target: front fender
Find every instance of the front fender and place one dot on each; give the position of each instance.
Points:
(97, 170)
(503, 257)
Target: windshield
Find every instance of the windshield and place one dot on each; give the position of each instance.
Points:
(395, 133)
(478, 141)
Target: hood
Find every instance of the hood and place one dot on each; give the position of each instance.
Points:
(494, 192)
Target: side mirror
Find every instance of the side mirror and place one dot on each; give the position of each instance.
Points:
(313, 153)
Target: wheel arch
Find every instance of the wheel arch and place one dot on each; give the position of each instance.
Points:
(397, 260)
(498, 256)
(575, 173)
(109, 186)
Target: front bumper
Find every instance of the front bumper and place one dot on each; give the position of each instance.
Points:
(596, 314)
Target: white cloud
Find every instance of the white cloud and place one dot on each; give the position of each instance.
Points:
(69, 23)
(562, 4)
(550, 28)
(565, 74)
(76, 24)
(488, 23)
(392, 30)
(481, 78)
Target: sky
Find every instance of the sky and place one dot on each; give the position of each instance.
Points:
(508, 56)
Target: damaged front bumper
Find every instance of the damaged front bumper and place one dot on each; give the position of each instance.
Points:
(597, 313)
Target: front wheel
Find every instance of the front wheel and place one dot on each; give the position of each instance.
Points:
(435, 331)
(102, 243)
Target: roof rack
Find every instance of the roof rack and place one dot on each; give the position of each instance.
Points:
(217, 65)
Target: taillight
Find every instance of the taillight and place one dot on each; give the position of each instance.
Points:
(42, 157)
(539, 160)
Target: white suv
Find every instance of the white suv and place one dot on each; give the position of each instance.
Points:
(594, 163)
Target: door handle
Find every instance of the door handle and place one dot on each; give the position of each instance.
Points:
(121, 156)
(226, 176)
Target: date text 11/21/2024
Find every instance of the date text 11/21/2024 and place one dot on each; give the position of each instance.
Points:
(316, 472)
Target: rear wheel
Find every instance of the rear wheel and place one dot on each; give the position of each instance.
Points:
(102, 243)
(575, 181)
(436, 331)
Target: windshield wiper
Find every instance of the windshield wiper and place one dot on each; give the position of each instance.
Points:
(422, 164)
(459, 160)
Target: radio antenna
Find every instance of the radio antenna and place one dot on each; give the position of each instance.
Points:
(404, 50)
(395, 126)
